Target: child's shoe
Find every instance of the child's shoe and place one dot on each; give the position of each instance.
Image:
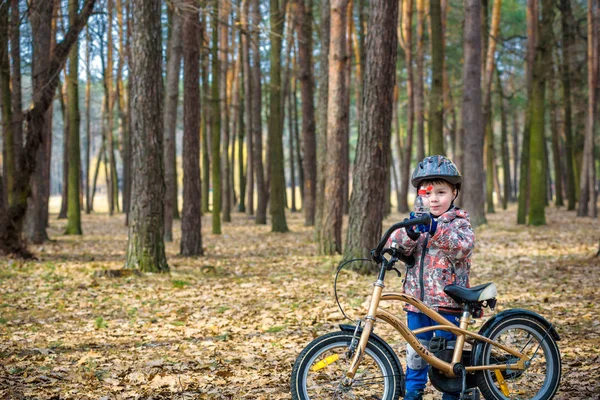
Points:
(414, 395)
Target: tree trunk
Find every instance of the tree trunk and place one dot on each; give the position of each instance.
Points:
(248, 101)
(62, 94)
(337, 115)
(44, 85)
(170, 117)
(556, 148)
(241, 98)
(543, 60)
(74, 206)
(322, 102)
(472, 189)
(146, 248)
(405, 171)
(126, 153)
(567, 48)
(487, 104)
(9, 148)
(371, 173)
(215, 129)
(436, 104)
(524, 173)
(275, 145)
(42, 30)
(290, 103)
(298, 146)
(191, 222)
(303, 21)
(587, 183)
(420, 85)
(504, 145)
(206, 116)
(257, 151)
(223, 50)
(88, 113)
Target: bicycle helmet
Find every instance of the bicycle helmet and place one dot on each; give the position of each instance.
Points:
(436, 167)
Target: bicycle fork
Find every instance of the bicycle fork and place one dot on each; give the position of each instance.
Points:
(366, 333)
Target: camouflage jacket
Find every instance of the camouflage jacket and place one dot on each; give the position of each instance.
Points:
(440, 259)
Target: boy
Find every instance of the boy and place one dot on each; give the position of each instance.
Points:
(442, 251)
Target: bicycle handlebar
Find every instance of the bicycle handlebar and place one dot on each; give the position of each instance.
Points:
(422, 220)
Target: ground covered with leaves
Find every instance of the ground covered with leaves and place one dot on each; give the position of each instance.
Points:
(230, 324)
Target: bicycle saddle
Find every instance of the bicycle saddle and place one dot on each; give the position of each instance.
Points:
(461, 294)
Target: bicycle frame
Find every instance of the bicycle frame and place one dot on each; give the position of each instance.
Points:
(460, 331)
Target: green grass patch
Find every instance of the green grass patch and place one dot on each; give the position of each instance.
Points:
(222, 309)
(179, 284)
(3, 321)
(100, 323)
(275, 329)
(178, 323)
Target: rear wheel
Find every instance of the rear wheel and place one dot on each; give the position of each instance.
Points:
(539, 381)
(321, 366)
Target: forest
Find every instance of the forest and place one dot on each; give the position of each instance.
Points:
(242, 149)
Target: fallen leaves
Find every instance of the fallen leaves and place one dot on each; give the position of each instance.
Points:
(230, 325)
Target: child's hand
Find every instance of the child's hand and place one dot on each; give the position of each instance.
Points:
(431, 227)
(413, 231)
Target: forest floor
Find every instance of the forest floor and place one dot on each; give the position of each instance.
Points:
(230, 325)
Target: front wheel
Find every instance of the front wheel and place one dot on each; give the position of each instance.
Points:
(540, 380)
(321, 367)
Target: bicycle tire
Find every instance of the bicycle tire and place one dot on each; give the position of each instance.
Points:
(376, 356)
(527, 334)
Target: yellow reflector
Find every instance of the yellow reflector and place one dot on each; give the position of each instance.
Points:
(502, 382)
(325, 362)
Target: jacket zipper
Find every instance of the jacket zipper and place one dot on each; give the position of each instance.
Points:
(423, 253)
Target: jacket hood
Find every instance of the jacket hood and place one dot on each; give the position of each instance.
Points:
(452, 214)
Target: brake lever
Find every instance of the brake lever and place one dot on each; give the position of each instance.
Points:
(397, 271)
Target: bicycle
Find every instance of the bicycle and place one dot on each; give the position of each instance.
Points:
(514, 355)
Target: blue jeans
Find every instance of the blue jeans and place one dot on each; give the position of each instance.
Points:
(417, 379)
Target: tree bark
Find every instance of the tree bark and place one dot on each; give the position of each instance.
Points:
(556, 148)
(303, 22)
(16, 92)
(174, 52)
(257, 151)
(248, 101)
(436, 104)
(543, 59)
(44, 83)
(322, 102)
(275, 145)
(191, 222)
(88, 113)
(524, 170)
(587, 183)
(407, 12)
(215, 129)
(420, 85)
(74, 154)
(223, 51)
(146, 248)
(206, 115)
(566, 77)
(371, 173)
(487, 104)
(62, 95)
(472, 168)
(337, 115)
(504, 145)
(9, 148)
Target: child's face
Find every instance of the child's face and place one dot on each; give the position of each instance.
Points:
(440, 198)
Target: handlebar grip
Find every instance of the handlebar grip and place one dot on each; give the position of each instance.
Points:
(422, 220)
